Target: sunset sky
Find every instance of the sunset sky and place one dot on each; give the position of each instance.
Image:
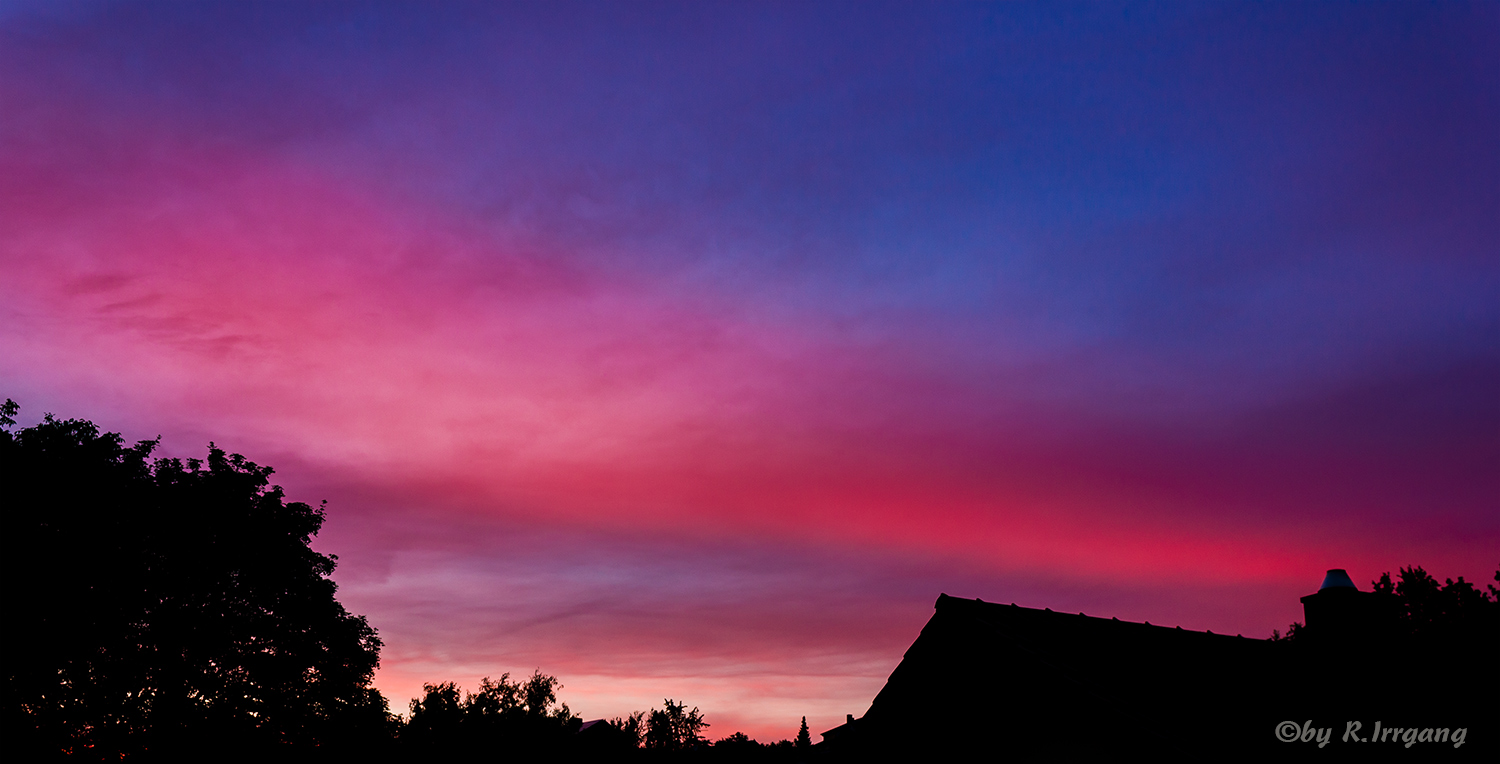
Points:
(691, 350)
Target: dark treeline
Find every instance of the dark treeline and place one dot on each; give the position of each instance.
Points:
(526, 718)
(165, 609)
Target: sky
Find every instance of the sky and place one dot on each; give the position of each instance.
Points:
(690, 350)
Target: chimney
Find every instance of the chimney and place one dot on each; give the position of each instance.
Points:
(1338, 611)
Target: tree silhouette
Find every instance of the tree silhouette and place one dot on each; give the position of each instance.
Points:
(674, 729)
(1421, 607)
(804, 740)
(169, 603)
(738, 740)
(1292, 630)
(632, 727)
(522, 716)
(437, 719)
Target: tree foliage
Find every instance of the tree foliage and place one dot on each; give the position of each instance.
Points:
(632, 728)
(513, 714)
(1421, 607)
(672, 728)
(169, 602)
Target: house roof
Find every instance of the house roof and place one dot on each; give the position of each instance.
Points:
(1028, 684)
(1004, 667)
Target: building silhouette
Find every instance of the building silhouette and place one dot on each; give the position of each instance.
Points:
(1013, 683)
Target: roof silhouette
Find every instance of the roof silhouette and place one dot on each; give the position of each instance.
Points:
(1037, 683)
